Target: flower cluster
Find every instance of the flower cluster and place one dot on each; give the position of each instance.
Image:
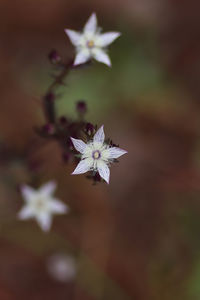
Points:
(96, 154)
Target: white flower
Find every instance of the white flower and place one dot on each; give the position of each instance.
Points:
(41, 205)
(91, 43)
(62, 267)
(96, 155)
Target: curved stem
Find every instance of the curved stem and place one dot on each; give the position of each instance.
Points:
(48, 99)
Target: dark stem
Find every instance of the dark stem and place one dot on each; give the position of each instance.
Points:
(49, 98)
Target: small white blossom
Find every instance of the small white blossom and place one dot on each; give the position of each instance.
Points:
(96, 155)
(91, 43)
(41, 205)
(62, 267)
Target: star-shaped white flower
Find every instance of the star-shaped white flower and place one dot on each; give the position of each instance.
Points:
(91, 43)
(41, 205)
(96, 155)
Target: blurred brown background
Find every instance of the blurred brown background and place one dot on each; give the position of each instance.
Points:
(139, 237)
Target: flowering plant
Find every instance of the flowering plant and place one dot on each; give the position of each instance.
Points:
(96, 153)
(89, 44)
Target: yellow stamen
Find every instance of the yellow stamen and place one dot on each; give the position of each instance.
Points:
(90, 44)
(96, 154)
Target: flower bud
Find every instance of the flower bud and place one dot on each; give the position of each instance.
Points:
(89, 128)
(63, 121)
(49, 129)
(97, 177)
(81, 107)
(54, 57)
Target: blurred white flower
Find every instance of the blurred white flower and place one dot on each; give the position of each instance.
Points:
(61, 267)
(41, 205)
(91, 43)
(96, 155)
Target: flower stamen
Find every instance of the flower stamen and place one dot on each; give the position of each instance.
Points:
(96, 154)
(40, 204)
(90, 44)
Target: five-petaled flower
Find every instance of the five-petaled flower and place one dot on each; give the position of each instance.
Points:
(96, 155)
(91, 43)
(41, 205)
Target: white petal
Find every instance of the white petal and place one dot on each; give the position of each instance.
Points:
(82, 57)
(74, 36)
(57, 206)
(28, 193)
(88, 151)
(44, 221)
(116, 152)
(83, 166)
(106, 39)
(101, 56)
(48, 188)
(99, 135)
(91, 25)
(79, 145)
(103, 170)
(25, 213)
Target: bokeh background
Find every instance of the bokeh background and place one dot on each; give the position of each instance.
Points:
(139, 237)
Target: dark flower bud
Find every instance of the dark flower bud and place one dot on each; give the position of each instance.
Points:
(63, 121)
(89, 128)
(54, 57)
(97, 177)
(49, 129)
(81, 107)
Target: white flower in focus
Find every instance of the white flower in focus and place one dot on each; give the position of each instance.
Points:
(61, 267)
(96, 155)
(91, 43)
(41, 205)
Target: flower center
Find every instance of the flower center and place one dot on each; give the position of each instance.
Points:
(90, 44)
(39, 204)
(96, 154)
